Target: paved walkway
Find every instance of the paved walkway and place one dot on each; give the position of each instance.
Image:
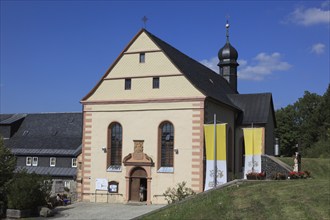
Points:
(85, 210)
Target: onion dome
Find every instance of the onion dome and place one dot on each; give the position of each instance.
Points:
(227, 53)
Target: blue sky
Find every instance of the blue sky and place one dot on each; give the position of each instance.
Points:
(54, 52)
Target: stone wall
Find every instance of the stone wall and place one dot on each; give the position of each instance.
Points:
(271, 165)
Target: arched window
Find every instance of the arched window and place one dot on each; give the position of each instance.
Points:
(115, 135)
(166, 142)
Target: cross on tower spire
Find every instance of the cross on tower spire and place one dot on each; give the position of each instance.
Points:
(227, 28)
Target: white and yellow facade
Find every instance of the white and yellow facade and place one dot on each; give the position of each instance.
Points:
(140, 111)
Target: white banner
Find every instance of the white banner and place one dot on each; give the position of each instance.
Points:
(252, 164)
(221, 173)
(221, 161)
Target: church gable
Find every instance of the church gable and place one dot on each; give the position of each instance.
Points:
(142, 71)
(142, 58)
(142, 43)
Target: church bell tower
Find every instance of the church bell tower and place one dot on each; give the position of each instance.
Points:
(228, 62)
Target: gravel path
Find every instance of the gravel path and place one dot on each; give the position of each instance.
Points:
(85, 210)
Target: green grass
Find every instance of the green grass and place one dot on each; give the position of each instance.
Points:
(286, 199)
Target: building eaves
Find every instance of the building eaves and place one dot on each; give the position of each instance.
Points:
(43, 152)
(204, 79)
(51, 171)
(9, 119)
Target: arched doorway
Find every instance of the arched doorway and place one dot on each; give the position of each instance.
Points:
(138, 183)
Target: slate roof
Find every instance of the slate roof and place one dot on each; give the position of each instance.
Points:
(47, 133)
(204, 79)
(6, 119)
(255, 107)
(46, 152)
(252, 107)
(52, 171)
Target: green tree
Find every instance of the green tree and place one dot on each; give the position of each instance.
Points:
(324, 115)
(28, 190)
(287, 129)
(7, 168)
(306, 123)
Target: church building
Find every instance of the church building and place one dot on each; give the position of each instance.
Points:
(143, 123)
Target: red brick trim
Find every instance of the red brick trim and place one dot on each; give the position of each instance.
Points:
(197, 146)
(86, 140)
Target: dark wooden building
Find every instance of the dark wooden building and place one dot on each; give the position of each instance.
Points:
(45, 143)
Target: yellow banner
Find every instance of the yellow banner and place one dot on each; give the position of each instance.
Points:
(254, 141)
(221, 141)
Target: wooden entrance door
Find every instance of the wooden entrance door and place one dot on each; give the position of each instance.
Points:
(138, 177)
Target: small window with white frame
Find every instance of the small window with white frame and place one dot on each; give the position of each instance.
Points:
(67, 184)
(52, 161)
(28, 161)
(35, 161)
(74, 162)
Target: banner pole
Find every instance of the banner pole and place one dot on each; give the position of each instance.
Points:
(215, 151)
(252, 148)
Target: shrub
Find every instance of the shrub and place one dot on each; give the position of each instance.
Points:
(278, 176)
(256, 176)
(28, 191)
(179, 193)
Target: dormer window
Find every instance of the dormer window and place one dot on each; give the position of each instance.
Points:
(142, 58)
(35, 161)
(28, 161)
(74, 162)
(52, 162)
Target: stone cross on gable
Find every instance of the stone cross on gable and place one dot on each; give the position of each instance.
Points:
(145, 19)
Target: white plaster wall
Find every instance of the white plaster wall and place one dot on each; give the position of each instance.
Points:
(156, 63)
(170, 87)
(142, 43)
(143, 125)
